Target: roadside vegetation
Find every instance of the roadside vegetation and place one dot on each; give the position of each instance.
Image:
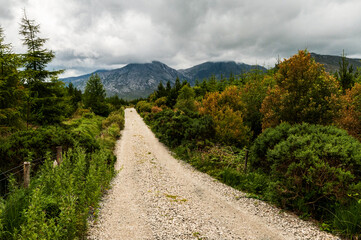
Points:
(297, 126)
(38, 113)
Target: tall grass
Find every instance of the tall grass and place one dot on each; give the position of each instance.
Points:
(60, 199)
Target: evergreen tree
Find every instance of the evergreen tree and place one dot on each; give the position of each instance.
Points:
(177, 85)
(345, 74)
(37, 56)
(168, 88)
(173, 94)
(74, 94)
(161, 91)
(36, 77)
(94, 96)
(185, 100)
(212, 84)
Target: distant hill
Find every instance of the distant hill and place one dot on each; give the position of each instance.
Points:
(140, 80)
(218, 69)
(132, 81)
(331, 62)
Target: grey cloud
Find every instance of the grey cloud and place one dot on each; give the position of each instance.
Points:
(91, 34)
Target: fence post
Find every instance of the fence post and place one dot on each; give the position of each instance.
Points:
(245, 161)
(26, 174)
(59, 155)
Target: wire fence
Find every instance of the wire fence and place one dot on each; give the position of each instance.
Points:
(15, 171)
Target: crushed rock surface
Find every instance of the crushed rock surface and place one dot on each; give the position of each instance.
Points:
(155, 196)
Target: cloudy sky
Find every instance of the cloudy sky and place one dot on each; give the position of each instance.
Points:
(90, 34)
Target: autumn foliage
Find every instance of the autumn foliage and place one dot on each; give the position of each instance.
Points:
(304, 92)
(226, 110)
(350, 114)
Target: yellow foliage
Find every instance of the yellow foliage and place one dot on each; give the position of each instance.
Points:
(226, 111)
(304, 92)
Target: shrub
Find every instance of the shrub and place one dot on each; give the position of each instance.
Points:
(58, 202)
(143, 106)
(174, 128)
(161, 102)
(116, 117)
(156, 109)
(309, 165)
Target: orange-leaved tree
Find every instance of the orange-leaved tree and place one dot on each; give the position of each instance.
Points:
(304, 92)
(350, 113)
(226, 110)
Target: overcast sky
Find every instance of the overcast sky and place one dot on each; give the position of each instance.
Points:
(90, 34)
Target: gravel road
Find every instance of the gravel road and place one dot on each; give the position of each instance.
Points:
(155, 196)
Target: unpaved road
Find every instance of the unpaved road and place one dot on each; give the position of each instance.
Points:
(155, 196)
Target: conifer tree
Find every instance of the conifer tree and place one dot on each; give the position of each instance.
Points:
(44, 96)
(37, 57)
(345, 74)
(94, 96)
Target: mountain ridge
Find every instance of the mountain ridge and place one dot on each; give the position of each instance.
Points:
(138, 80)
(331, 62)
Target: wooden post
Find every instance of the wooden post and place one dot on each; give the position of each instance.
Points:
(26, 174)
(245, 161)
(59, 155)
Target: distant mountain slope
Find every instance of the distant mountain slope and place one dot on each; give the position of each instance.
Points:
(207, 69)
(132, 81)
(140, 80)
(331, 62)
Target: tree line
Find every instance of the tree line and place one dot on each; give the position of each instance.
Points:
(30, 94)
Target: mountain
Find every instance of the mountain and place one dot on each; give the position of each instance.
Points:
(218, 69)
(132, 81)
(139, 80)
(331, 62)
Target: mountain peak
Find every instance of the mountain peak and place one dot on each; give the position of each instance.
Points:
(138, 80)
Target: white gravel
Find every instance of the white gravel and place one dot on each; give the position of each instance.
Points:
(155, 196)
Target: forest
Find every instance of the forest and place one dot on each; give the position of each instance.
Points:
(290, 136)
(38, 113)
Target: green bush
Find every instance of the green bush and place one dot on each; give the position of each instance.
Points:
(175, 128)
(116, 117)
(309, 166)
(59, 200)
(144, 106)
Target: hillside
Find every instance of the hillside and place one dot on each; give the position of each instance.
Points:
(218, 69)
(139, 80)
(132, 81)
(331, 62)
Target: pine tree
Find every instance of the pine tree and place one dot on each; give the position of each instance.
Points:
(94, 96)
(37, 56)
(36, 77)
(345, 74)
(173, 94)
(161, 92)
